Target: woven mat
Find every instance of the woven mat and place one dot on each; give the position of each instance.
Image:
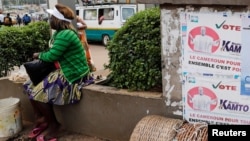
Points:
(155, 128)
(192, 132)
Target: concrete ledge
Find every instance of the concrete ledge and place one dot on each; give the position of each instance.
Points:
(104, 112)
(11, 89)
(109, 113)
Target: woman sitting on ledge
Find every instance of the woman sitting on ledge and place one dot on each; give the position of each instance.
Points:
(62, 86)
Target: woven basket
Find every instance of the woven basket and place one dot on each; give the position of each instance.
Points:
(155, 128)
(192, 132)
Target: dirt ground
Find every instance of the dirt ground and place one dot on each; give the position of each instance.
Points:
(63, 136)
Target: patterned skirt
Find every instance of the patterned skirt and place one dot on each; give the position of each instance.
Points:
(55, 89)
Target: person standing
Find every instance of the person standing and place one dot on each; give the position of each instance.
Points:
(19, 20)
(1, 17)
(7, 21)
(26, 19)
(81, 26)
(62, 86)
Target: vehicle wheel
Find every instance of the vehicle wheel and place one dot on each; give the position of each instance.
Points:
(105, 40)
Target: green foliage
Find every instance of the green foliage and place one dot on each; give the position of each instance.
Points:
(135, 53)
(17, 44)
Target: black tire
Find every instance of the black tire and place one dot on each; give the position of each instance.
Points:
(105, 40)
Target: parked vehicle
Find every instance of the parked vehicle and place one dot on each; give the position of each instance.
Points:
(104, 20)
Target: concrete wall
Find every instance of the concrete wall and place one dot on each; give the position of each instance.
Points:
(172, 50)
(104, 111)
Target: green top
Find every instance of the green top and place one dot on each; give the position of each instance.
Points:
(68, 51)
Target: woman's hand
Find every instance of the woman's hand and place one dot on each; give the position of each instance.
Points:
(35, 55)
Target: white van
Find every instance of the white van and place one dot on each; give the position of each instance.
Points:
(104, 20)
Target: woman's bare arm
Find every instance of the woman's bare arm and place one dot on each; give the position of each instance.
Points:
(83, 24)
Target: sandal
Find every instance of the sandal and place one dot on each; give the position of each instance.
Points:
(42, 138)
(37, 130)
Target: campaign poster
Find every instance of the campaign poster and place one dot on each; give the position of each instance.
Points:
(212, 69)
(215, 99)
(209, 45)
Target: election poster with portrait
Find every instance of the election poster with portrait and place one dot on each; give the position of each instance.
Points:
(212, 65)
(209, 44)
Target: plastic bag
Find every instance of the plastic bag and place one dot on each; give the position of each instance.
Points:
(18, 75)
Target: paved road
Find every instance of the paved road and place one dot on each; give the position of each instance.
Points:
(100, 57)
(99, 54)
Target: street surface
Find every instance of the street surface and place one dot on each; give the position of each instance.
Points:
(100, 57)
(99, 54)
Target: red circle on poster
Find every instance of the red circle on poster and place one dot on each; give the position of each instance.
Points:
(207, 92)
(209, 32)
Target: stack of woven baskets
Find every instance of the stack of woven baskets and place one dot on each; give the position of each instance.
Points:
(192, 132)
(159, 128)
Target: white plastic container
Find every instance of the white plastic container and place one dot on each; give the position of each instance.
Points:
(10, 117)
